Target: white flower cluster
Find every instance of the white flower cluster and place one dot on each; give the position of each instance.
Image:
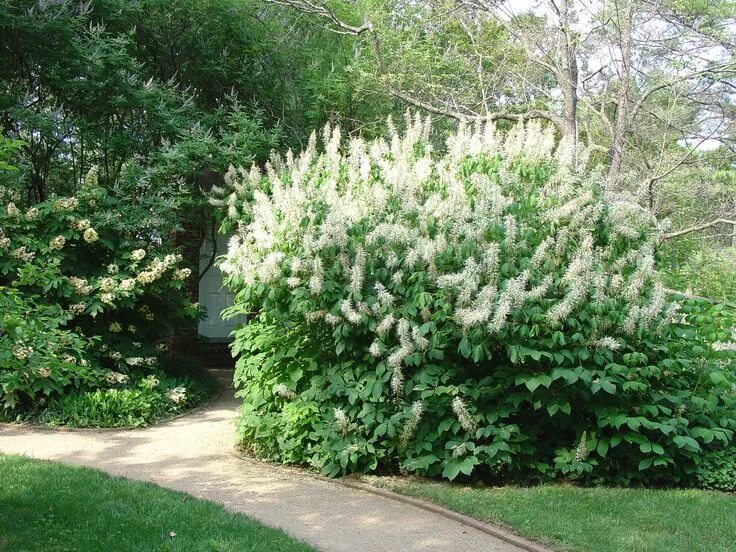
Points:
(90, 235)
(284, 392)
(21, 352)
(458, 228)
(177, 395)
(43, 372)
(138, 254)
(417, 410)
(341, 421)
(12, 210)
(80, 285)
(80, 225)
(157, 267)
(4, 240)
(22, 254)
(149, 382)
(113, 378)
(463, 416)
(146, 312)
(66, 204)
(182, 274)
(57, 243)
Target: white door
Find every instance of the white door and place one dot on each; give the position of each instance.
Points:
(214, 296)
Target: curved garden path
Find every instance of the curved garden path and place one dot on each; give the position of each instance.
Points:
(194, 454)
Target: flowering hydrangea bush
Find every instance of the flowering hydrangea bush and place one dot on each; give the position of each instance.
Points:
(116, 292)
(38, 357)
(486, 310)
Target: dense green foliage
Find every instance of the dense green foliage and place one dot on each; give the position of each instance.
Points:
(566, 517)
(49, 506)
(53, 360)
(158, 91)
(718, 470)
(93, 292)
(142, 401)
(486, 312)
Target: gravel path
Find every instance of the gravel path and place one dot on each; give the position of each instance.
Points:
(193, 454)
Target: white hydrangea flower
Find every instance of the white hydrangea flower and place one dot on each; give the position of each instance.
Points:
(21, 253)
(90, 235)
(127, 284)
(80, 225)
(182, 274)
(12, 210)
(138, 254)
(66, 204)
(57, 243)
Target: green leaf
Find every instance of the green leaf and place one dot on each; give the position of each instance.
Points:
(608, 387)
(536, 381)
(451, 470)
(465, 348)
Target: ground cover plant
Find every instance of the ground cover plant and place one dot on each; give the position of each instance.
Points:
(91, 291)
(49, 506)
(489, 310)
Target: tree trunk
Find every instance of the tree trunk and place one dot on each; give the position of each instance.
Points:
(624, 11)
(569, 76)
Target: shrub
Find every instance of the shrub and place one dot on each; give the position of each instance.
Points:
(134, 403)
(38, 357)
(718, 470)
(486, 311)
(97, 266)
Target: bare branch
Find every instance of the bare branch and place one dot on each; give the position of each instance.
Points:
(469, 118)
(323, 11)
(730, 66)
(697, 228)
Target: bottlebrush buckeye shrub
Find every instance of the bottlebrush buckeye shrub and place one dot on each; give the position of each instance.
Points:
(484, 310)
(95, 293)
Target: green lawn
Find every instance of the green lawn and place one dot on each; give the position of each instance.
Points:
(51, 507)
(594, 519)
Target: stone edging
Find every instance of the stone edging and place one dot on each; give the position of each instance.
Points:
(483, 527)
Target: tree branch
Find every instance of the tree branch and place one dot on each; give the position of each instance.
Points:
(645, 96)
(471, 118)
(340, 26)
(697, 228)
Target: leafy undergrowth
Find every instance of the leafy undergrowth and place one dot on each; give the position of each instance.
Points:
(48, 506)
(136, 400)
(599, 519)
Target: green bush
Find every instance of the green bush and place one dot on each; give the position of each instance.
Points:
(97, 269)
(700, 269)
(718, 470)
(134, 403)
(38, 357)
(488, 311)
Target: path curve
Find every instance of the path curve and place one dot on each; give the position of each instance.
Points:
(193, 454)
